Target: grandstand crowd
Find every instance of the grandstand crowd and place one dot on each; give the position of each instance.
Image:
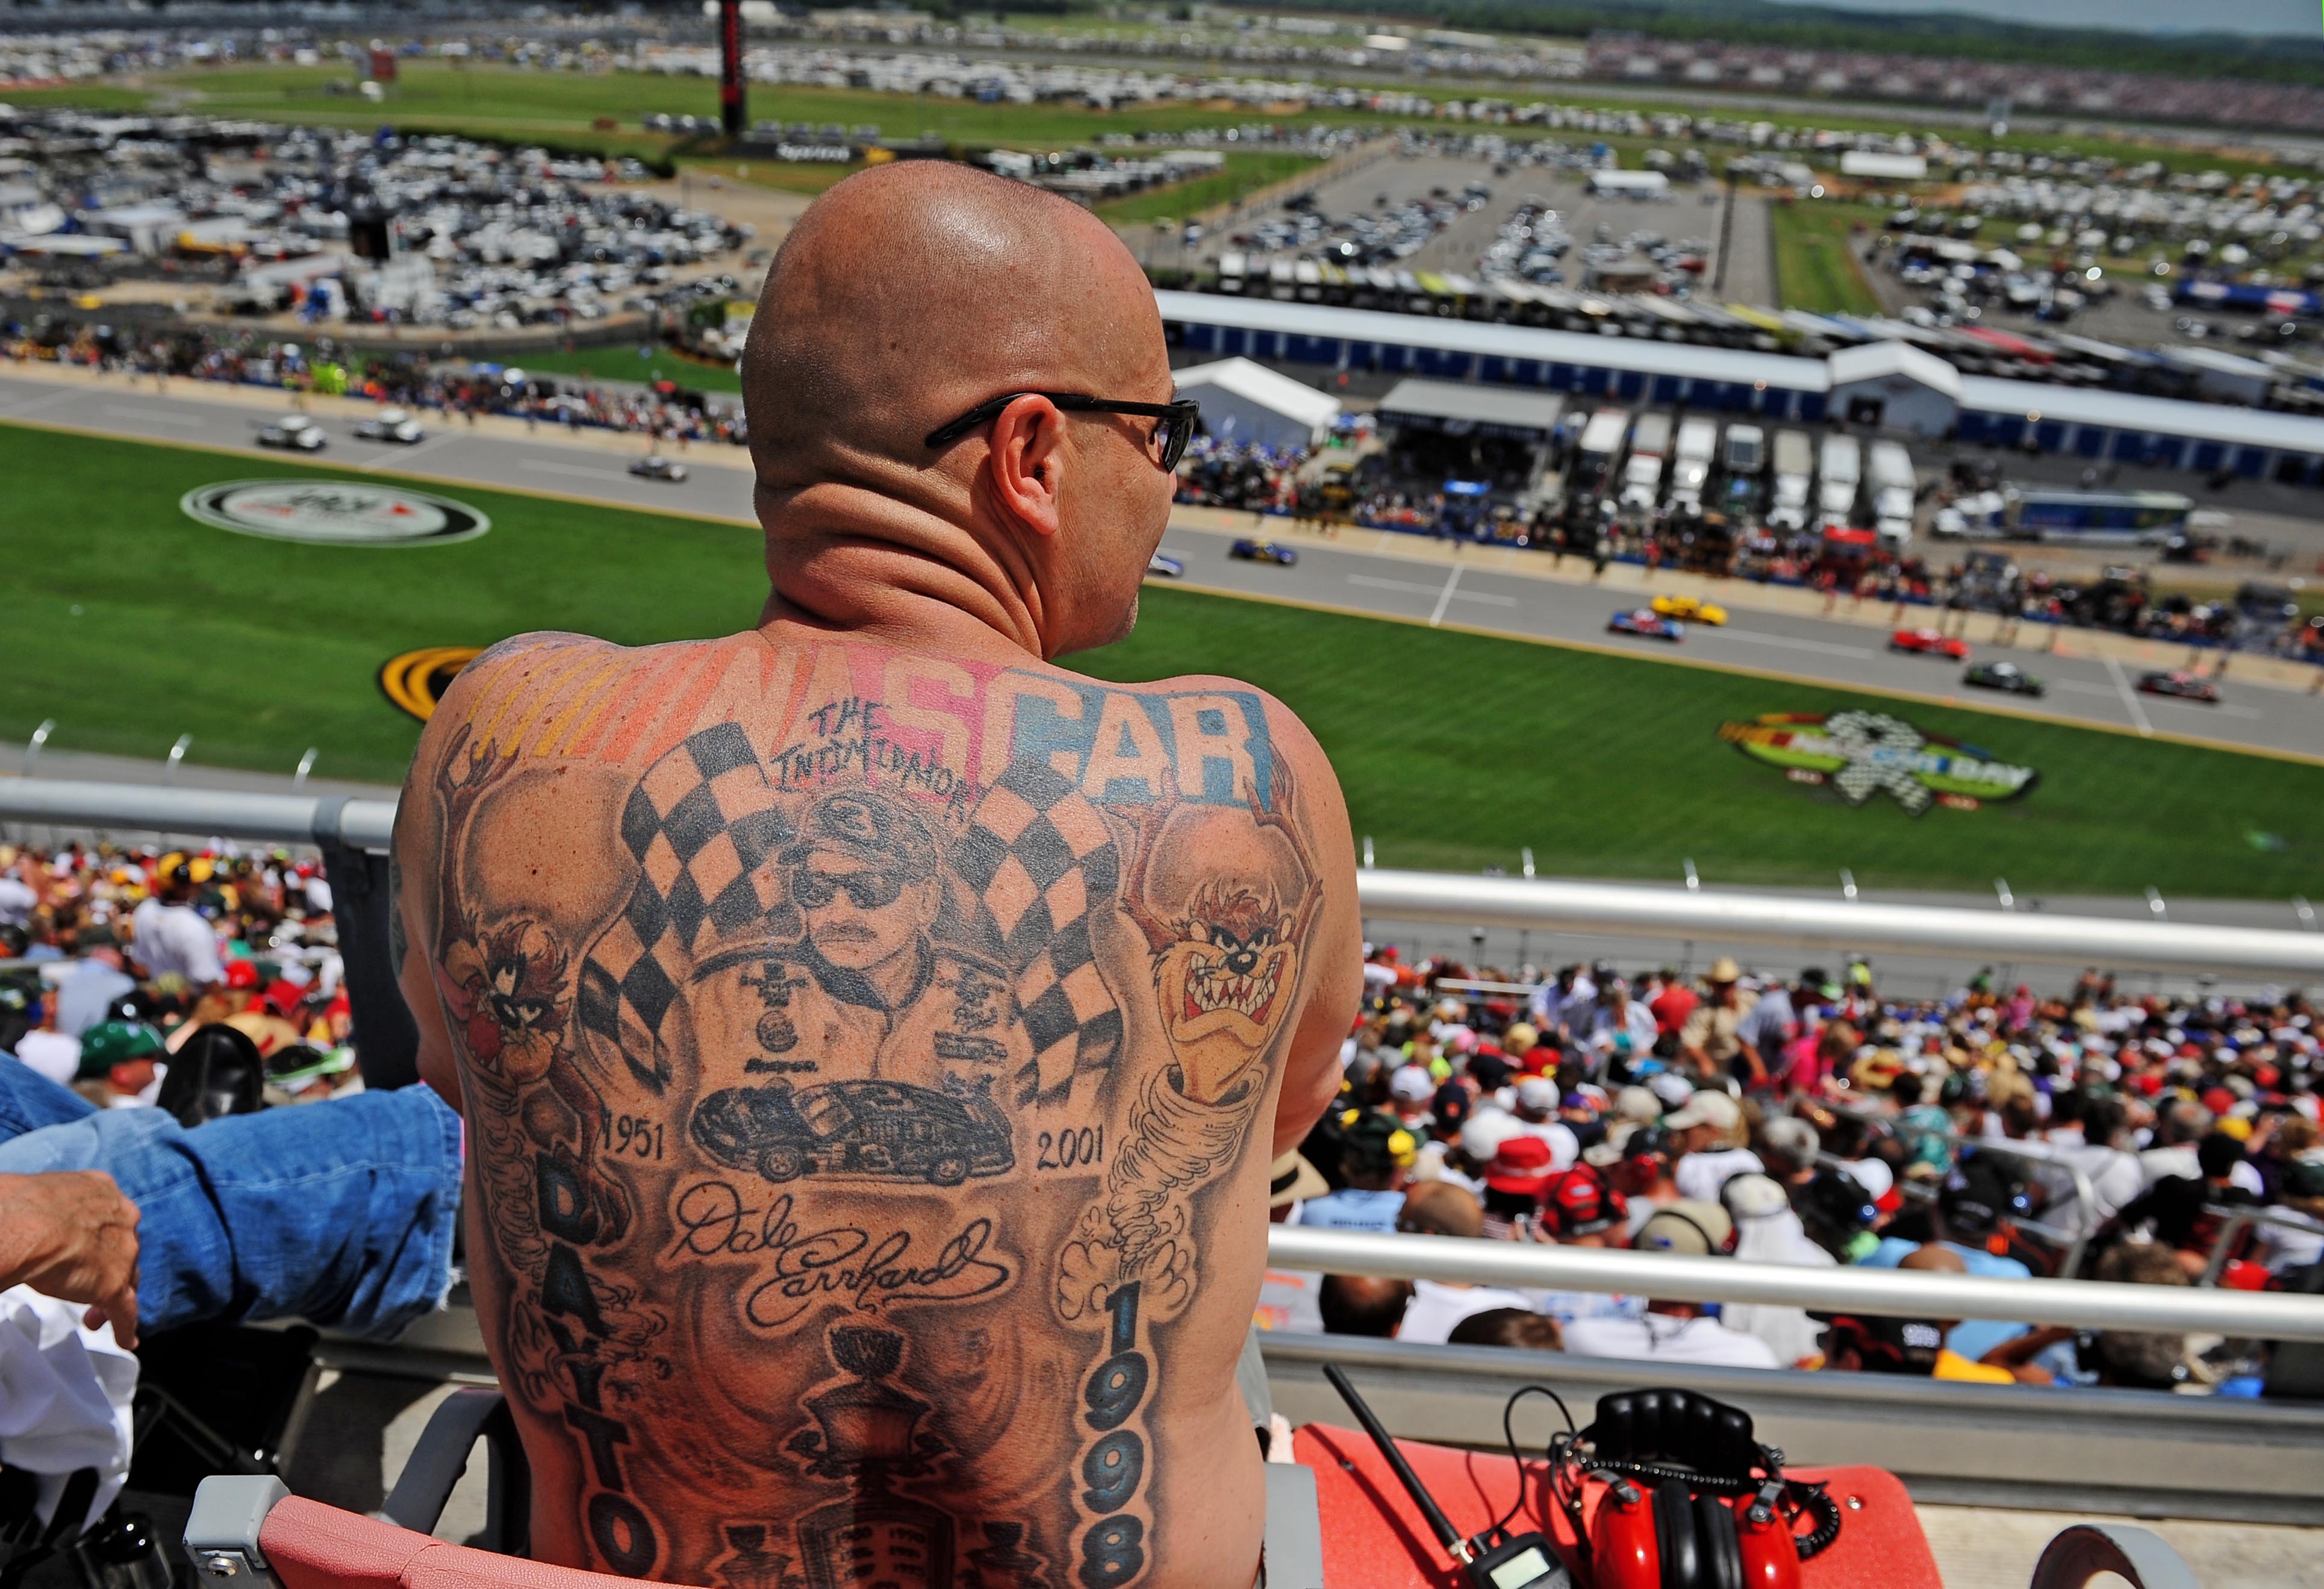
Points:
(2099, 1134)
(452, 390)
(1996, 1131)
(207, 983)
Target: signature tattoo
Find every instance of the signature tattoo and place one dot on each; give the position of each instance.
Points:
(842, 1261)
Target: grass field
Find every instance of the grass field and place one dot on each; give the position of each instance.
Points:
(620, 362)
(1243, 173)
(1815, 269)
(130, 625)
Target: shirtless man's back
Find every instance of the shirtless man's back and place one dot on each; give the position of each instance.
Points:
(873, 1038)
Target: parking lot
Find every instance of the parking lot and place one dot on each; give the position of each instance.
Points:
(1693, 211)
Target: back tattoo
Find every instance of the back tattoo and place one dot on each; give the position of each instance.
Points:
(851, 1041)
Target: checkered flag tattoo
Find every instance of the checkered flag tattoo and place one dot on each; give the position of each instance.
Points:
(1038, 856)
(701, 822)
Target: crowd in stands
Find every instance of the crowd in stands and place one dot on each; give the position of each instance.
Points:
(666, 411)
(207, 982)
(1813, 1122)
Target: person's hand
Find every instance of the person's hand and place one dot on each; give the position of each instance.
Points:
(71, 1234)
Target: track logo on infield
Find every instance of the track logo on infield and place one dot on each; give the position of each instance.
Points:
(416, 680)
(334, 513)
(1861, 754)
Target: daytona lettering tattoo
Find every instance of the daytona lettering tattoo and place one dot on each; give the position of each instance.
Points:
(856, 1047)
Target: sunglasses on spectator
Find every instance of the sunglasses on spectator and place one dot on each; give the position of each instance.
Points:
(1167, 444)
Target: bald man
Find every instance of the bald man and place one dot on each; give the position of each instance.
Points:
(873, 1037)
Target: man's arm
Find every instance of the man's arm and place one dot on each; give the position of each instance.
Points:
(70, 1234)
(1311, 1076)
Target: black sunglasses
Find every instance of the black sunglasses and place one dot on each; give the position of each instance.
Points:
(1176, 429)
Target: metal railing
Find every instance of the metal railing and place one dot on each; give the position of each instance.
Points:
(2239, 1219)
(1601, 908)
(1528, 1266)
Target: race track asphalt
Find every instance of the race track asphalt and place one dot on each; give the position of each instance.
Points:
(1374, 573)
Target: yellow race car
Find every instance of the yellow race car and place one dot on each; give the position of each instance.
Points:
(1689, 609)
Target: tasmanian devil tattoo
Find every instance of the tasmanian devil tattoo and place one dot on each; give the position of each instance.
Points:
(858, 1046)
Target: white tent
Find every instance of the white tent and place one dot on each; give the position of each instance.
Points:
(1245, 401)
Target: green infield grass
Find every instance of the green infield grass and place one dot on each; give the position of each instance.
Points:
(131, 623)
(1815, 268)
(619, 361)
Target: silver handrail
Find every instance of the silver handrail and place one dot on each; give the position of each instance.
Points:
(2239, 1219)
(1912, 1294)
(1601, 908)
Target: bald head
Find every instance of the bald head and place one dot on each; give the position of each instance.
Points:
(913, 291)
(1440, 1208)
(1934, 1257)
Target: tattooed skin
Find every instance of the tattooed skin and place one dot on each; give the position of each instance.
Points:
(870, 1061)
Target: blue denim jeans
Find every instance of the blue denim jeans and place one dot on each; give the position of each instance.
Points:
(340, 1213)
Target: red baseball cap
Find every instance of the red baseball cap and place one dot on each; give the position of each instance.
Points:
(282, 995)
(1520, 1165)
(241, 976)
(1580, 1203)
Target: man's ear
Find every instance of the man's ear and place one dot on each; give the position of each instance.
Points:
(1026, 461)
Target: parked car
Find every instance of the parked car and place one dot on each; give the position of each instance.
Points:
(392, 424)
(1169, 567)
(654, 467)
(1646, 621)
(2182, 684)
(2003, 676)
(1263, 551)
(1689, 609)
(873, 1129)
(293, 432)
(1928, 642)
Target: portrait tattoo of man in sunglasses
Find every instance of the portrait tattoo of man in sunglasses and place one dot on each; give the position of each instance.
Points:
(873, 1037)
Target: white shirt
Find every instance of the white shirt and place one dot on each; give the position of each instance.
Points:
(1435, 1308)
(68, 1407)
(175, 938)
(16, 901)
(2158, 1163)
(1699, 1175)
(1657, 1338)
(318, 895)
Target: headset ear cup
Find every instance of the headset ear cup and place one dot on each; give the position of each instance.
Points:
(1675, 1541)
(1720, 1550)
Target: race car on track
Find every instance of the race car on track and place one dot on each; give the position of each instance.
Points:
(1646, 621)
(1169, 567)
(1928, 642)
(654, 467)
(1263, 551)
(2179, 684)
(393, 424)
(294, 432)
(2003, 676)
(1689, 609)
(874, 1130)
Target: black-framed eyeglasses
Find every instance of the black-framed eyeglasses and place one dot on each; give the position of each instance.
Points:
(1176, 429)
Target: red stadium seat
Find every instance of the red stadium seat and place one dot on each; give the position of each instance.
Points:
(1374, 1538)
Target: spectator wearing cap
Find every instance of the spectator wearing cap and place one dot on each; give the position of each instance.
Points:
(2177, 1209)
(1672, 1003)
(1970, 1220)
(1916, 1347)
(1788, 1149)
(1409, 1089)
(1581, 1208)
(1710, 1041)
(1706, 1135)
(1513, 1181)
(1535, 1103)
(170, 937)
(1620, 1029)
(86, 994)
(2177, 1129)
(1441, 1210)
(1376, 1157)
(1642, 1174)
(1767, 1028)
(1767, 1231)
(1287, 1297)
(1668, 1332)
